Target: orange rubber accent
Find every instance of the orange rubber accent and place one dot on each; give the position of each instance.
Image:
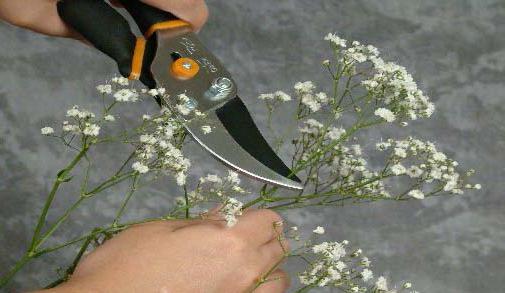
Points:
(138, 56)
(165, 25)
(178, 69)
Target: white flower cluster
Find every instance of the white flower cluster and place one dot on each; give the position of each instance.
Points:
(121, 91)
(426, 164)
(351, 167)
(398, 91)
(311, 126)
(388, 82)
(230, 209)
(305, 92)
(46, 130)
(358, 53)
(335, 264)
(223, 189)
(335, 40)
(277, 96)
(83, 123)
(212, 187)
(117, 87)
(183, 106)
(156, 148)
(316, 128)
(385, 114)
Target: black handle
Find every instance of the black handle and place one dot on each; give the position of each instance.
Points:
(145, 15)
(103, 27)
(110, 33)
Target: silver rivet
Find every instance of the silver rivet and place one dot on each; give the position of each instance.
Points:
(223, 83)
(186, 65)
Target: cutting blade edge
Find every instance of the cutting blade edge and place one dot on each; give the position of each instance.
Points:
(236, 141)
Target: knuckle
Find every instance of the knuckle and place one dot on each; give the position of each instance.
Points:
(193, 4)
(269, 214)
(250, 274)
(198, 11)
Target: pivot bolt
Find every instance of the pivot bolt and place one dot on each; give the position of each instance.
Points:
(184, 68)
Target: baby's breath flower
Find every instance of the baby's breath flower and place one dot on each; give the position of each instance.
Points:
(330, 265)
(414, 172)
(46, 130)
(336, 40)
(230, 210)
(126, 95)
(139, 167)
(365, 262)
(385, 114)
(366, 274)
(305, 93)
(381, 284)
(109, 118)
(120, 80)
(416, 193)
(319, 230)
(104, 89)
(282, 96)
(400, 152)
(266, 97)
(73, 112)
(67, 127)
(180, 178)
(91, 129)
(305, 87)
(233, 177)
(335, 133)
(211, 178)
(398, 169)
(312, 126)
(277, 96)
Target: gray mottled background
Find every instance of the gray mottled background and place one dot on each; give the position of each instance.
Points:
(455, 48)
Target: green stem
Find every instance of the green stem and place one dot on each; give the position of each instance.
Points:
(57, 223)
(8, 276)
(270, 271)
(252, 202)
(304, 289)
(70, 270)
(127, 199)
(186, 198)
(110, 182)
(61, 178)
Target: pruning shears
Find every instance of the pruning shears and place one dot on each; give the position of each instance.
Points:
(170, 55)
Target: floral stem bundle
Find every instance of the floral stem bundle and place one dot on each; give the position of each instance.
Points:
(331, 151)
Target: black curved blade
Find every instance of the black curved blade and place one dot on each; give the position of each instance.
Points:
(238, 122)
